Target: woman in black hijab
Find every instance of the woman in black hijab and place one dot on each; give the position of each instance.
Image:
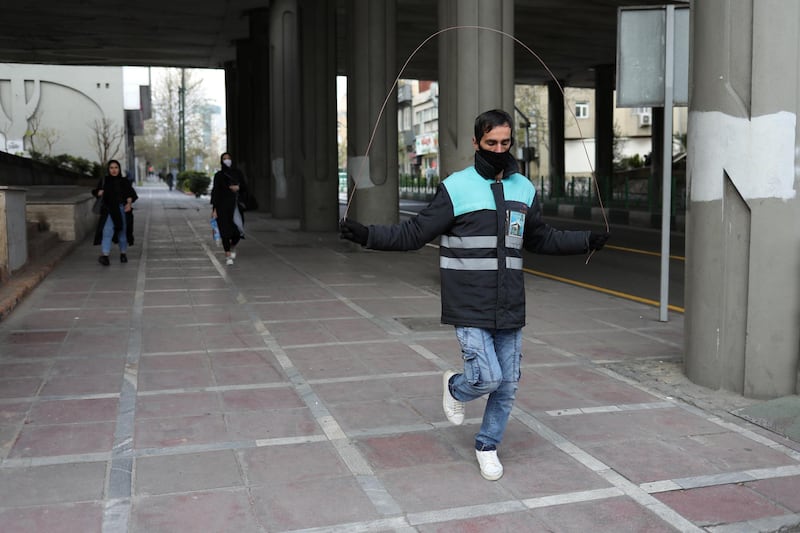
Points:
(116, 214)
(226, 193)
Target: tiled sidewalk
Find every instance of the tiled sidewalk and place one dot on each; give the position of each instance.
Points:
(300, 390)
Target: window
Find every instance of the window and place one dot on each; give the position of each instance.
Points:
(582, 110)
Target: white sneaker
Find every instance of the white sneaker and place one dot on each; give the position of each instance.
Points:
(233, 254)
(229, 261)
(491, 468)
(453, 409)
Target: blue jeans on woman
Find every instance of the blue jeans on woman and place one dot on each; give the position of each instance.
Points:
(491, 366)
(108, 234)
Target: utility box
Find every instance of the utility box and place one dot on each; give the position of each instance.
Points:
(13, 231)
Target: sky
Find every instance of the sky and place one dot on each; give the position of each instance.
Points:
(213, 83)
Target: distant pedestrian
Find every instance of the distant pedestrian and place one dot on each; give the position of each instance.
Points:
(228, 187)
(485, 214)
(116, 214)
(170, 180)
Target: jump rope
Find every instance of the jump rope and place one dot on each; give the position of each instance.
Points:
(432, 36)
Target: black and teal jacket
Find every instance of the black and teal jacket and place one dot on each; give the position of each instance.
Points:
(484, 225)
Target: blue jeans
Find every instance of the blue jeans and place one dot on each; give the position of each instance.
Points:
(108, 234)
(491, 366)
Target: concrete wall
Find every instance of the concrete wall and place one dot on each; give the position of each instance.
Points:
(66, 211)
(21, 171)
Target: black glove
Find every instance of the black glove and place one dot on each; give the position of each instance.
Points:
(353, 231)
(597, 240)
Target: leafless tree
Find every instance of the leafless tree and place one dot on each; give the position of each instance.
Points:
(107, 139)
(49, 136)
(33, 128)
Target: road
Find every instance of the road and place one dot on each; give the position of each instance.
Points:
(629, 266)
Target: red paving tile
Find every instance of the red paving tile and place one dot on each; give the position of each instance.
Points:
(246, 375)
(293, 463)
(36, 337)
(88, 366)
(181, 361)
(179, 431)
(24, 370)
(261, 399)
(210, 512)
(441, 486)
(178, 404)
(74, 411)
(79, 385)
(501, 523)
(86, 517)
(63, 439)
(337, 500)
(547, 472)
(720, 505)
(271, 424)
(784, 491)
(175, 379)
(187, 472)
(410, 449)
(19, 387)
(611, 515)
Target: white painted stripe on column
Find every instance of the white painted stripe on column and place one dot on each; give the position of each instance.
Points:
(758, 154)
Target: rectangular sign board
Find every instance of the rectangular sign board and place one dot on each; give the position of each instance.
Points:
(641, 41)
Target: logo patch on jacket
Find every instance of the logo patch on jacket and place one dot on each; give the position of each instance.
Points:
(515, 227)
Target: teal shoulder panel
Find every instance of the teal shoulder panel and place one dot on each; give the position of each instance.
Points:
(469, 191)
(518, 188)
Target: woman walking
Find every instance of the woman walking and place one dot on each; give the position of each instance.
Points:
(228, 188)
(116, 214)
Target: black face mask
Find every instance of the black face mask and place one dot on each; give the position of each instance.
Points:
(490, 164)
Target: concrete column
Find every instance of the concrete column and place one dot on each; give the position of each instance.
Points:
(742, 239)
(604, 127)
(555, 131)
(244, 119)
(319, 150)
(286, 139)
(258, 160)
(373, 69)
(476, 73)
(231, 107)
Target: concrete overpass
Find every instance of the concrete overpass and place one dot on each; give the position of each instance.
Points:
(281, 58)
(572, 36)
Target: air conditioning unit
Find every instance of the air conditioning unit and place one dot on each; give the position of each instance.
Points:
(645, 120)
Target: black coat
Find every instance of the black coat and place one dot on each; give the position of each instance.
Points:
(225, 201)
(116, 191)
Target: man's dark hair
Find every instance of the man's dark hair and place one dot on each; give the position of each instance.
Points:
(488, 120)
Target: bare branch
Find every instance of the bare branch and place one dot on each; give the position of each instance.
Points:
(107, 139)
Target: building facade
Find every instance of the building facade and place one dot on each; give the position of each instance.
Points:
(57, 109)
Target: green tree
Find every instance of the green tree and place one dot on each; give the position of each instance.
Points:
(160, 143)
